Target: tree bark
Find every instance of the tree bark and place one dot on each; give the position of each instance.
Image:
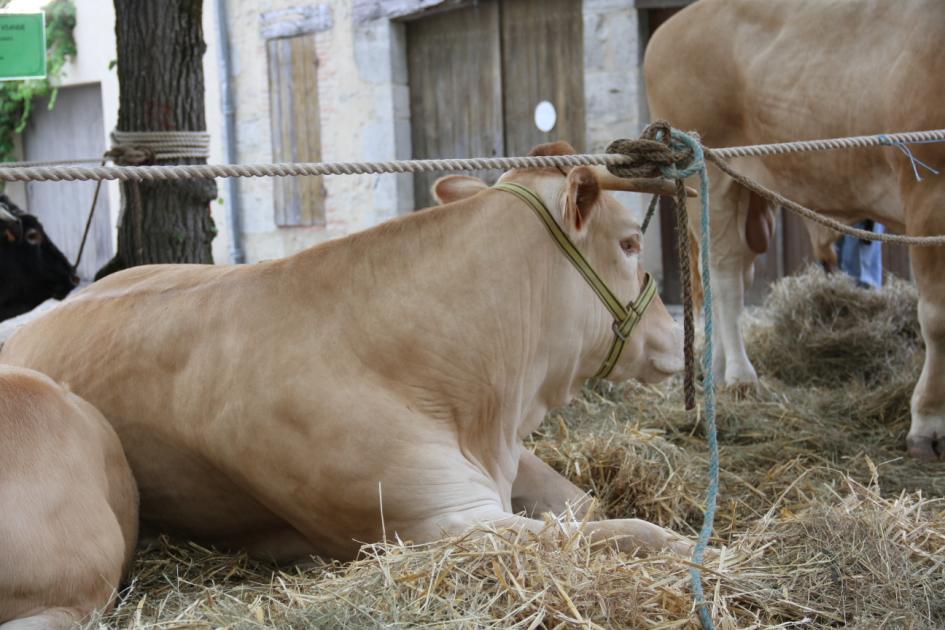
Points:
(161, 88)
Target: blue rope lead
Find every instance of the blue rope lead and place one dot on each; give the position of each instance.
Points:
(680, 140)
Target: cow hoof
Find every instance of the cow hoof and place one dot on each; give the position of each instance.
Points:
(681, 547)
(741, 391)
(743, 376)
(926, 448)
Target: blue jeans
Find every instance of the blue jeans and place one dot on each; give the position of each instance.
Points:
(863, 259)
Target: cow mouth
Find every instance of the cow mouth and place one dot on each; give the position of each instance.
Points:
(666, 365)
(63, 290)
(658, 369)
(926, 448)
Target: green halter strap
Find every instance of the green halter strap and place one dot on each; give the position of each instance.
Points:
(625, 318)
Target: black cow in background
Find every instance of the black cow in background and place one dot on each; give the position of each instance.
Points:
(32, 269)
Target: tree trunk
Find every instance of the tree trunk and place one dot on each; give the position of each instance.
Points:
(160, 78)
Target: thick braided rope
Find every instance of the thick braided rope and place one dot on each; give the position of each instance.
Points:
(13, 171)
(682, 243)
(210, 171)
(673, 155)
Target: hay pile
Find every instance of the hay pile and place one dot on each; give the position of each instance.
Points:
(820, 329)
(823, 521)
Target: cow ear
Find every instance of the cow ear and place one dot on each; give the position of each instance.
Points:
(456, 187)
(9, 236)
(583, 193)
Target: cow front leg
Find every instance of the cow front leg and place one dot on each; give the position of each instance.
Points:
(538, 489)
(627, 535)
(926, 438)
(924, 214)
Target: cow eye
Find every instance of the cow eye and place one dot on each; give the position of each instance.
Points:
(33, 236)
(631, 245)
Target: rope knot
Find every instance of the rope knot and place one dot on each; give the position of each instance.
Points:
(661, 151)
(127, 155)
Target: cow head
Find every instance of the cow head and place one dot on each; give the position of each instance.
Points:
(32, 269)
(611, 241)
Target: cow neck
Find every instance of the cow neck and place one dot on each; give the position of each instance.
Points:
(625, 317)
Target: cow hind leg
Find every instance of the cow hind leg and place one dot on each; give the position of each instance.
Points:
(924, 212)
(731, 265)
(49, 619)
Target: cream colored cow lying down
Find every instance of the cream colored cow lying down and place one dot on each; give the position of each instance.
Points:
(269, 406)
(68, 505)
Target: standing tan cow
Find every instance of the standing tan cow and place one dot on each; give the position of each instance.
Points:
(379, 383)
(68, 505)
(744, 72)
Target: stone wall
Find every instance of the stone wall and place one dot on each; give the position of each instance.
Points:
(363, 108)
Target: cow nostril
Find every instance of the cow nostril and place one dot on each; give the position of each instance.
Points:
(74, 279)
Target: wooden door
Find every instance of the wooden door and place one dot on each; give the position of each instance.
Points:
(75, 128)
(454, 65)
(542, 60)
(477, 73)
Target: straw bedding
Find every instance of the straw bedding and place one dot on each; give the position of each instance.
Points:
(823, 521)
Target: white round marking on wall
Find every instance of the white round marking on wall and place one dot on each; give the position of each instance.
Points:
(545, 116)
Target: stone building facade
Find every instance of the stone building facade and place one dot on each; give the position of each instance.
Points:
(364, 103)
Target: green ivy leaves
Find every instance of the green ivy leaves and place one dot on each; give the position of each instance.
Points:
(17, 98)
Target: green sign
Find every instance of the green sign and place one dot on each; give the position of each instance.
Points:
(22, 46)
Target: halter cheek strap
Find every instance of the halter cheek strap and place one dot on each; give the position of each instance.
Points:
(625, 317)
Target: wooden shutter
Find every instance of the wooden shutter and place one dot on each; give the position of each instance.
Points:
(296, 128)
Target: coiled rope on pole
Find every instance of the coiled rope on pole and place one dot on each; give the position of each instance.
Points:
(154, 145)
(149, 146)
